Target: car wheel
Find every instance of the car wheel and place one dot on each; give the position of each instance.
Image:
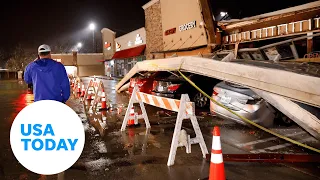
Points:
(286, 121)
(200, 100)
(283, 119)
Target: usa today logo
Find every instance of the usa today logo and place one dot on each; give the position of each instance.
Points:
(47, 137)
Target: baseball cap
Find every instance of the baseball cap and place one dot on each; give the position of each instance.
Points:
(44, 48)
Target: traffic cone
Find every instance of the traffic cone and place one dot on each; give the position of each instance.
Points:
(103, 101)
(83, 91)
(131, 117)
(216, 165)
(79, 88)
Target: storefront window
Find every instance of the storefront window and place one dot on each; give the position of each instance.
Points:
(123, 66)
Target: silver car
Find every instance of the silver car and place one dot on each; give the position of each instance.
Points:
(244, 102)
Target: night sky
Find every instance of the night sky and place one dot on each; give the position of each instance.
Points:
(31, 22)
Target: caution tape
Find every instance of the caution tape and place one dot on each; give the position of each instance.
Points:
(247, 120)
(241, 117)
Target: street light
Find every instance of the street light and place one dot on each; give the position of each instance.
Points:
(79, 45)
(222, 14)
(92, 28)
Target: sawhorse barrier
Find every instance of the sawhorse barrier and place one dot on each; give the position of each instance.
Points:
(185, 109)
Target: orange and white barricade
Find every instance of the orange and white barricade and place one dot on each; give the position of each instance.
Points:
(75, 86)
(95, 84)
(79, 88)
(185, 109)
(83, 90)
(90, 92)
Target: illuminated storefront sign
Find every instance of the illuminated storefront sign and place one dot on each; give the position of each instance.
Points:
(107, 45)
(138, 39)
(187, 26)
(118, 46)
(170, 31)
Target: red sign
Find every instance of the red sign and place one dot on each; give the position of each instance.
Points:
(107, 45)
(170, 31)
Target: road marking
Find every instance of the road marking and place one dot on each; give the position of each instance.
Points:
(267, 139)
(280, 146)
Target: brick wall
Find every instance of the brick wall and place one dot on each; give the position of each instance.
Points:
(154, 33)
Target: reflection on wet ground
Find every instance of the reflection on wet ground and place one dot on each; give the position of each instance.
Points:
(138, 153)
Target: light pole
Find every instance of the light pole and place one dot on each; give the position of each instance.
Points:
(92, 28)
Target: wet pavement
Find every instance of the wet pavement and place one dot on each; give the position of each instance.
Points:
(138, 153)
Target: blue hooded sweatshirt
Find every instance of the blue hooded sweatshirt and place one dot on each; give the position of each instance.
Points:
(50, 80)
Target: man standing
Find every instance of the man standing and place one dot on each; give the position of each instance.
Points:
(48, 77)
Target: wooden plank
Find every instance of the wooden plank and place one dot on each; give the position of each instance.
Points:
(302, 117)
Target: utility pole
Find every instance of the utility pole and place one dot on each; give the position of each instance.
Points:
(93, 43)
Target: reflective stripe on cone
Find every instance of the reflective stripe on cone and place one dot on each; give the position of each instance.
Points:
(131, 117)
(83, 91)
(103, 101)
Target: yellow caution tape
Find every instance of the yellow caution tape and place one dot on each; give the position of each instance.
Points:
(249, 121)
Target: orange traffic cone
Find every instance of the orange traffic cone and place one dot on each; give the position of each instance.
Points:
(216, 165)
(79, 88)
(131, 117)
(103, 101)
(83, 91)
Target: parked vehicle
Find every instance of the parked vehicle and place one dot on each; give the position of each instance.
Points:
(144, 82)
(172, 85)
(244, 102)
